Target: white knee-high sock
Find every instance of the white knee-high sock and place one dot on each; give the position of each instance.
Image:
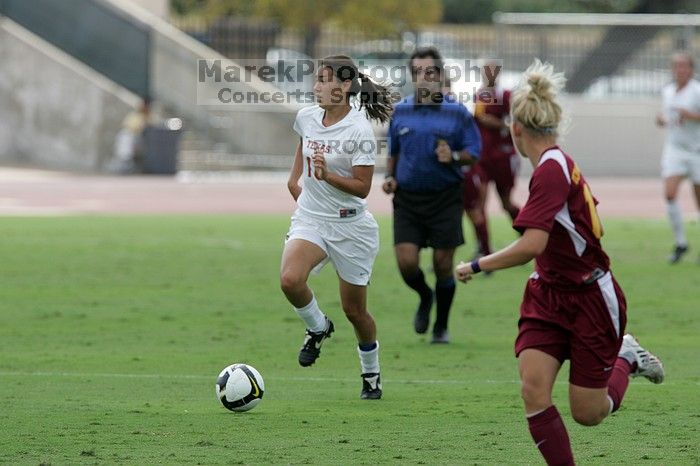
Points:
(676, 218)
(312, 316)
(369, 360)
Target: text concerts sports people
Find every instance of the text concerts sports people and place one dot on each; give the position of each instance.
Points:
(572, 308)
(335, 161)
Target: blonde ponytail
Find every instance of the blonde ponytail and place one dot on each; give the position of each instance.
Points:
(534, 102)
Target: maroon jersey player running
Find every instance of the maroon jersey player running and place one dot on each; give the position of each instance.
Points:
(572, 308)
(498, 163)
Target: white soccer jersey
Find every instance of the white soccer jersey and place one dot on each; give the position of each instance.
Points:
(345, 144)
(682, 136)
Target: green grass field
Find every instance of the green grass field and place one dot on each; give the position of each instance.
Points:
(113, 330)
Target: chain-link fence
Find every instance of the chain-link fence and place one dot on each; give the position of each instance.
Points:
(614, 63)
(603, 55)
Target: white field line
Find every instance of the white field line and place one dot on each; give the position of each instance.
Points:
(291, 379)
(213, 378)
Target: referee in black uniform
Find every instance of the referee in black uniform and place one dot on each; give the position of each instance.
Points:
(431, 137)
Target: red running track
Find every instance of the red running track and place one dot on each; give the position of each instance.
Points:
(37, 192)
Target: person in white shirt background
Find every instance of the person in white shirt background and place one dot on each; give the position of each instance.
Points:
(681, 154)
(335, 160)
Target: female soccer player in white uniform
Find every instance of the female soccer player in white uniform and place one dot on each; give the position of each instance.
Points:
(681, 157)
(335, 162)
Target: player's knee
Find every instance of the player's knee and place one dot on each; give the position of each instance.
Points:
(444, 267)
(670, 192)
(408, 269)
(444, 272)
(535, 396)
(476, 216)
(588, 417)
(290, 281)
(354, 312)
(407, 258)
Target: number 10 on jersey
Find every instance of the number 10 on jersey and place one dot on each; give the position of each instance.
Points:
(310, 169)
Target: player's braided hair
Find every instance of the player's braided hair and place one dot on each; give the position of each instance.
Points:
(374, 98)
(534, 102)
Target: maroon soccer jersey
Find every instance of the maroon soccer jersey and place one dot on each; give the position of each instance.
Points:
(561, 203)
(495, 143)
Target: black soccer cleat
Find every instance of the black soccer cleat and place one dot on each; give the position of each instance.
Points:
(440, 336)
(421, 320)
(311, 348)
(371, 386)
(678, 252)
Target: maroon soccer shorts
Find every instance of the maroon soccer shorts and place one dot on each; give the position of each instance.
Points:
(501, 169)
(473, 180)
(585, 326)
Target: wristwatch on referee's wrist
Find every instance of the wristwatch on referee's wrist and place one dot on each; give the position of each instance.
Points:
(456, 156)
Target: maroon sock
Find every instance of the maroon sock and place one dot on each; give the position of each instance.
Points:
(550, 436)
(482, 236)
(619, 379)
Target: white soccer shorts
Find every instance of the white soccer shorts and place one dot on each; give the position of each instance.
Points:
(678, 162)
(351, 245)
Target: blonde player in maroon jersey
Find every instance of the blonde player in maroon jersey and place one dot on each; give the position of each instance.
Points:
(572, 307)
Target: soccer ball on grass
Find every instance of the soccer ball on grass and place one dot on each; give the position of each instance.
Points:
(240, 387)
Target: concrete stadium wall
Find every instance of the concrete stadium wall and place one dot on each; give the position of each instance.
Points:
(173, 81)
(614, 137)
(55, 111)
(264, 131)
(160, 8)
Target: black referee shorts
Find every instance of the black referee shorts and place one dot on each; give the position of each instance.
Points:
(429, 219)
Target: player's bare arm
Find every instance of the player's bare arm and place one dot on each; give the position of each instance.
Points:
(685, 114)
(357, 185)
(523, 250)
(490, 121)
(295, 174)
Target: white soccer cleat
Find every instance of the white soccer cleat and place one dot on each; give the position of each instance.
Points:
(648, 365)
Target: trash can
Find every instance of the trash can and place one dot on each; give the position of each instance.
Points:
(161, 145)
